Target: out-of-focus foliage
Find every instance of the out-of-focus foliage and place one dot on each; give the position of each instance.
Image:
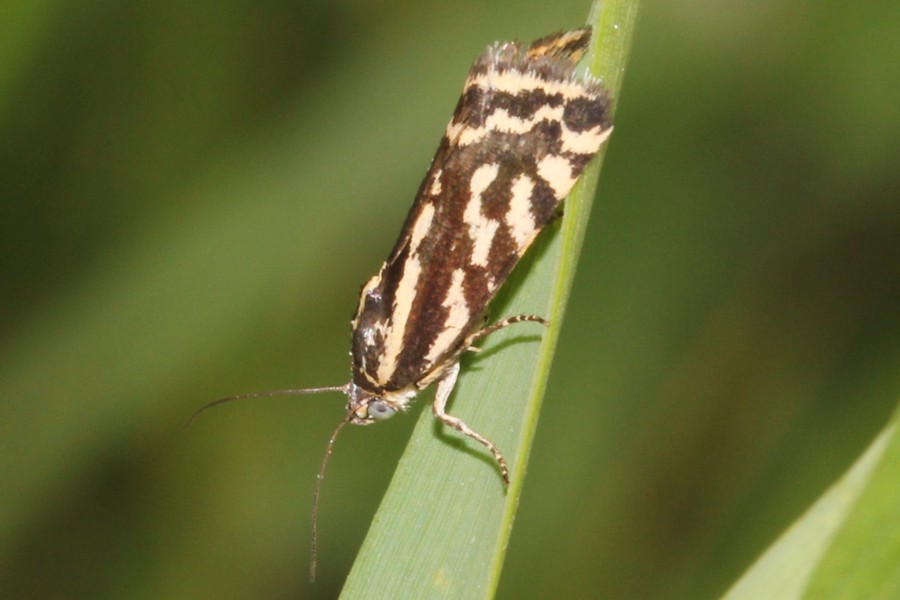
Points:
(190, 196)
(845, 546)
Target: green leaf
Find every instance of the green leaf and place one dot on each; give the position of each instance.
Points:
(444, 524)
(847, 545)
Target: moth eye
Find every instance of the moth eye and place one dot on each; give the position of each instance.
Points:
(380, 411)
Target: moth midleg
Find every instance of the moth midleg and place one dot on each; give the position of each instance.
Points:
(441, 396)
(486, 331)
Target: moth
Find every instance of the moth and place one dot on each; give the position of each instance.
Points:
(525, 127)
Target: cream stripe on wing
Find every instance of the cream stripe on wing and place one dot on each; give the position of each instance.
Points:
(403, 301)
(585, 142)
(420, 227)
(481, 229)
(557, 172)
(501, 121)
(457, 317)
(519, 218)
(514, 81)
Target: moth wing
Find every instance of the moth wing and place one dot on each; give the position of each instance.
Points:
(522, 132)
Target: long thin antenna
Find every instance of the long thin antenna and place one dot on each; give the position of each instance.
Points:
(344, 389)
(205, 407)
(314, 545)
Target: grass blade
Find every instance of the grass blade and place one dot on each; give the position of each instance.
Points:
(845, 546)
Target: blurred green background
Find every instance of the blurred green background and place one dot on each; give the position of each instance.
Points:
(193, 193)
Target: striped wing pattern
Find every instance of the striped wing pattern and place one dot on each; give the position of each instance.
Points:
(524, 129)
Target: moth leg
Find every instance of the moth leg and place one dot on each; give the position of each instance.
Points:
(486, 331)
(441, 396)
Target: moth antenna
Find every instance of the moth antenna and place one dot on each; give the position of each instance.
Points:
(314, 544)
(298, 392)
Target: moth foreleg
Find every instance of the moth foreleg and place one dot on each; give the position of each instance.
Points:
(486, 331)
(441, 396)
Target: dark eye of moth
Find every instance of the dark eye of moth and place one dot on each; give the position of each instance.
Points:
(524, 129)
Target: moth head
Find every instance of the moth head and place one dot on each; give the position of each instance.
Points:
(365, 408)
